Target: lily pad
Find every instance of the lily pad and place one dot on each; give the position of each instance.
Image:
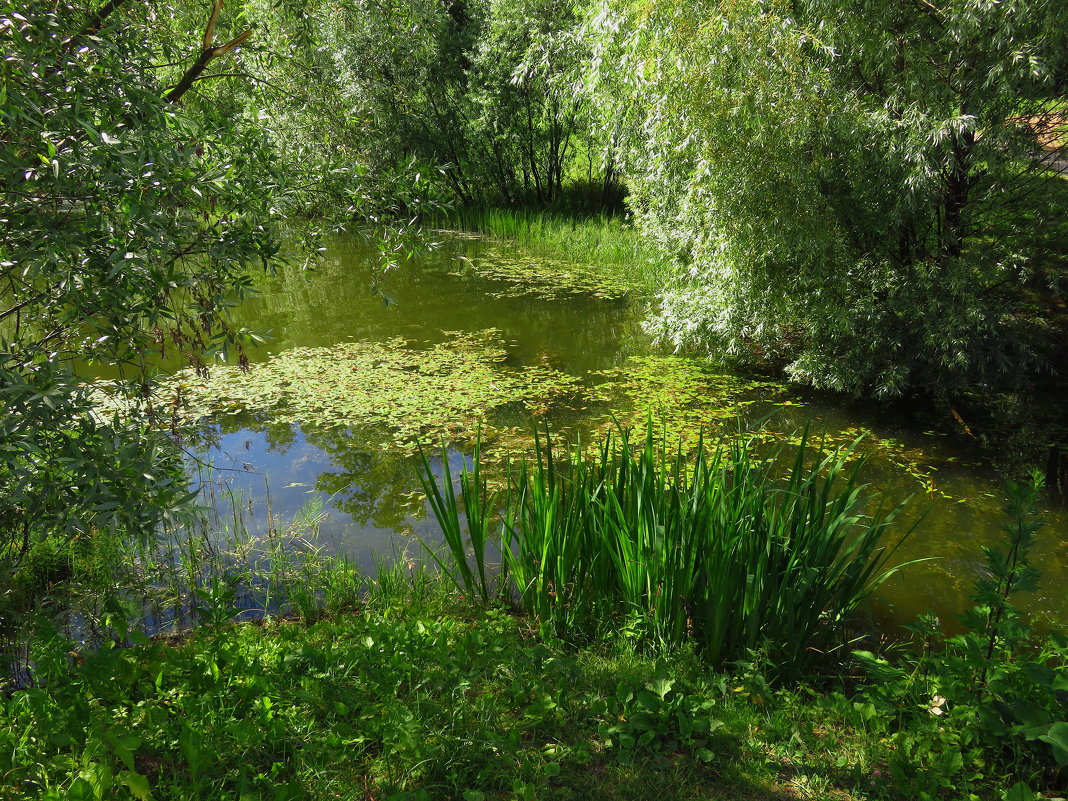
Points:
(442, 392)
(550, 279)
(687, 399)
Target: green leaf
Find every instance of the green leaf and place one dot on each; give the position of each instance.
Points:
(138, 637)
(1019, 792)
(661, 687)
(81, 790)
(1057, 737)
(137, 784)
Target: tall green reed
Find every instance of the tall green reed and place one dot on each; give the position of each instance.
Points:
(593, 239)
(724, 548)
(477, 511)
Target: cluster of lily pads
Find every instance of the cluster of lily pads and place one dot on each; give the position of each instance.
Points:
(405, 394)
(445, 391)
(549, 279)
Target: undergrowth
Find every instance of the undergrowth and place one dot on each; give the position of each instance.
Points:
(401, 686)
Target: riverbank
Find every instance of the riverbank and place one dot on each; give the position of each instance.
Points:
(419, 694)
(402, 685)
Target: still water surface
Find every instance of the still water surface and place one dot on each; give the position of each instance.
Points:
(366, 491)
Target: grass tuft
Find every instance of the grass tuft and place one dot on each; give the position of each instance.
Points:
(607, 241)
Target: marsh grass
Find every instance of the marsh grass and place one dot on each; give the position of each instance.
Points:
(214, 569)
(283, 570)
(608, 241)
(729, 550)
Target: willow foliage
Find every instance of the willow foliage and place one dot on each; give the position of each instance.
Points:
(841, 183)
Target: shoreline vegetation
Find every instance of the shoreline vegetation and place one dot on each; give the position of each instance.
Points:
(414, 683)
(850, 194)
(1016, 428)
(606, 242)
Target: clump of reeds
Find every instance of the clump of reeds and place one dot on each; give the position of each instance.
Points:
(723, 548)
(592, 239)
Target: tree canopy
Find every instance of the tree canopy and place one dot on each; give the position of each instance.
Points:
(846, 185)
(131, 219)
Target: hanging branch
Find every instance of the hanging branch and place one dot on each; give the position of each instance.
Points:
(207, 54)
(92, 25)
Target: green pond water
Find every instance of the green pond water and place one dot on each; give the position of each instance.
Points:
(479, 336)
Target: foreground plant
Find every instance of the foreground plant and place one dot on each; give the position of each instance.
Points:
(723, 550)
(992, 701)
(415, 696)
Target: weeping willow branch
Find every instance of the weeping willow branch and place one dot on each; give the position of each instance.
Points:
(92, 25)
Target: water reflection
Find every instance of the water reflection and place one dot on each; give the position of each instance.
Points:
(369, 493)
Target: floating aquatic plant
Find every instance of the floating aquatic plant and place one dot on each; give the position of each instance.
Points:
(400, 393)
(442, 392)
(550, 279)
(689, 398)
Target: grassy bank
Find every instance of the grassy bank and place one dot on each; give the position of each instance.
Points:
(421, 685)
(420, 694)
(603, 240)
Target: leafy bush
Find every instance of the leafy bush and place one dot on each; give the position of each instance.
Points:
(130, 223)
(991, 702)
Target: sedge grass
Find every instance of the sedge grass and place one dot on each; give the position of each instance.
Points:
(607, 240)
(722, 549)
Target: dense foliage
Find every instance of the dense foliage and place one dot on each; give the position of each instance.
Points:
(417, 694)
(482, 96)
(132, 216)
(848, 187)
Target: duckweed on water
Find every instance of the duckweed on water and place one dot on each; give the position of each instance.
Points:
(444, 392)
(550, 279)
(687, 399)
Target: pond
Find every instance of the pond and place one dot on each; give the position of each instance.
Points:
(477, 339)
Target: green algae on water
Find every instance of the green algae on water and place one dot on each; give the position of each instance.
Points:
(549, 279)
(445, 392)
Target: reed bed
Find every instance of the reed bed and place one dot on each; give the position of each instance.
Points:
(608, 240)
(726, 549)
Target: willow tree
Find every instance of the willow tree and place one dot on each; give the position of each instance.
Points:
(842, 182)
